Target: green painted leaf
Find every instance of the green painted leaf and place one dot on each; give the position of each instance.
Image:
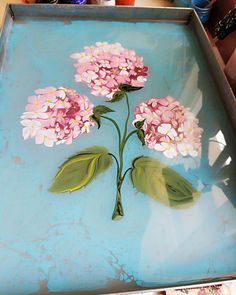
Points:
(101, 109)
(139, 124)
(96, 119)
(141, 136)
(98, 111)
(117, 96)
(80, 169)
(162, 183)
(128, 88)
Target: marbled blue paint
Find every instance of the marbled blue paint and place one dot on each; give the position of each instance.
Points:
(69, 242)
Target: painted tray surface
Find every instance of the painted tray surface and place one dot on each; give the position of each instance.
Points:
(68, 242)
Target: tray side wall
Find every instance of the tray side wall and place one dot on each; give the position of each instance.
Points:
(4, 33)
(218, 75)
(94, 12)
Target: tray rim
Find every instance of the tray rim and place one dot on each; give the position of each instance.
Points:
(134, 14)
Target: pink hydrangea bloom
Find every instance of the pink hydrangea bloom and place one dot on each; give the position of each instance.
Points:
(169, 127)
(104, 66)
(56, 115)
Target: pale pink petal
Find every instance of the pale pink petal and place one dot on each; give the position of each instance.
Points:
(45, 90)
(26, 133)
(78, 78)
(31, 107)
(39, 138)
(160, 147)
(137, 83)
(164, 128)
(170, 153)
(26, 122)
(68, 141)
(49, 142)
(172, 133)
(75, 55)
(32, 99)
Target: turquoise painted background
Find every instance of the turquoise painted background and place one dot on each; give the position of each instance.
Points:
(69, 242)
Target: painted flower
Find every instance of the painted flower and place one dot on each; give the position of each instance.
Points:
(56, 115)
(169, 127)
(104, 66)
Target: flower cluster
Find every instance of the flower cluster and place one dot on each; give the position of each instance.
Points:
(169, 127)
(104, 66)
(56, 115)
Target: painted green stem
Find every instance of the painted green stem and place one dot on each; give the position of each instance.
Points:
(126, 173)
(127, 119)
(123, 142)
(118, 212)
(117, 165)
